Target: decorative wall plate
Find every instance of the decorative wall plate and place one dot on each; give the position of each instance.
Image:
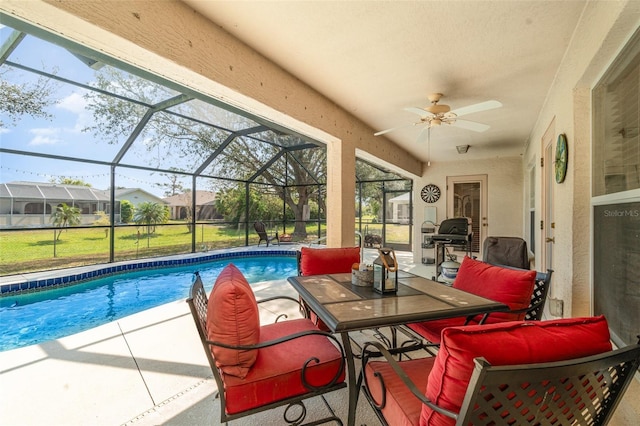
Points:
(561, 158)
(430, 193)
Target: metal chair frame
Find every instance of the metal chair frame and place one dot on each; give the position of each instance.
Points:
(198, 301)
(538, 297)
(584, 391)
(533, 312)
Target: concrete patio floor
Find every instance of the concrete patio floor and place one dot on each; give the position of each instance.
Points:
(145, 369)
(150, 369)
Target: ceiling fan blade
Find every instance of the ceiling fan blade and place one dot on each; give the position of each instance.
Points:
(423, 134)
(471, 125)
(482, 106)
(382, 132)
(422, 113)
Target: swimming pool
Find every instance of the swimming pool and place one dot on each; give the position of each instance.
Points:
(36, 317)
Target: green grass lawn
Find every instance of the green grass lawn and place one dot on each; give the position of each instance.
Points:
(37, 250)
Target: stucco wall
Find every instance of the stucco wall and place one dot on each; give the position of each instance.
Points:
(601, 33)
(504, 196)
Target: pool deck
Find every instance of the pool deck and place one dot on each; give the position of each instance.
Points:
(150, 369)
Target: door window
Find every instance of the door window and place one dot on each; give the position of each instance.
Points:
(466, 197)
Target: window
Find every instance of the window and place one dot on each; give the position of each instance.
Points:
(532, 208)
(616, 118)
(36, 208)
(616, 195)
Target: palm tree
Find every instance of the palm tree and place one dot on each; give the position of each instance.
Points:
(150, 214)
(65, 216)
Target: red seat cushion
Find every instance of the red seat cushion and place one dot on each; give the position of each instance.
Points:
(276, 374)
(401, 406)
(233, 319)
(509, 286)
(431, 330)
(509, 343)
(328, 260)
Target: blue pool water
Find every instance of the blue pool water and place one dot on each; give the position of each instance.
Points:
(33, 318)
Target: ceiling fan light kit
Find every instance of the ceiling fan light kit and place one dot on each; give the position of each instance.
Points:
(437, 114)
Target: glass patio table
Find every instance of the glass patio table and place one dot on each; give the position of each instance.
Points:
(345, 307)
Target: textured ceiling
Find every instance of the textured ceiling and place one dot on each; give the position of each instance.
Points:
(376, 57)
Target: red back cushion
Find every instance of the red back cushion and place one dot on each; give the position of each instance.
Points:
(233, 319)
(328, 260)
(509, 343)
(509, 286)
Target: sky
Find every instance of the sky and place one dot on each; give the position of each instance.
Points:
(61, 135)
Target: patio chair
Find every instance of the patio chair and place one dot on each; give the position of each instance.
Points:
(258, 368)
(507, 251)
(320, 261)
(262, 234)
(524, 291)
(557, 372)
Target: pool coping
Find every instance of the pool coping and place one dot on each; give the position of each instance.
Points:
(38, 281)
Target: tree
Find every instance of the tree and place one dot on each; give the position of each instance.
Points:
(31, 99)
(126, 211)
(62, 180)
(231, 201)
(173, 187)
(171, 137)
(65, 216)
(150, 214)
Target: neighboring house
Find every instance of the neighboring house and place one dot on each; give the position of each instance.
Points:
(400, 211)
(136, 196)
(30, 204)
(180, 204)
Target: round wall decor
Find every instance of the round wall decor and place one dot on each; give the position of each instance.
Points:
(561, 158)
(430, 193)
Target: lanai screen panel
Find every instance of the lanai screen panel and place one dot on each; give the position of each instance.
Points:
(307, 166)
(241, 159)
(214, 115)
(172, 142)
(61, 83)
(55, 192)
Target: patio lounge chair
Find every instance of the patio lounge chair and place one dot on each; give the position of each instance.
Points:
(262, 233)
(260, 367)
(557, 372)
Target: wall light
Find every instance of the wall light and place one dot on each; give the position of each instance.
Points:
(462, 149)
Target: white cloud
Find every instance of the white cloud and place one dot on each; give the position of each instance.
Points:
(4, 130)
(45, 136)
(74, 103)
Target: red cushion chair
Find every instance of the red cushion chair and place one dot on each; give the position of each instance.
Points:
(258, 367)
(327, 260)
(512, 287)
(320, 261)
(233, 319)
(540, 359)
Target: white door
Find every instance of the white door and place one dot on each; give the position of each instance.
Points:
(548, 178)
(467, 197)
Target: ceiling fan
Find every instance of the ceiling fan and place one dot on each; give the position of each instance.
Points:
(437, 114)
